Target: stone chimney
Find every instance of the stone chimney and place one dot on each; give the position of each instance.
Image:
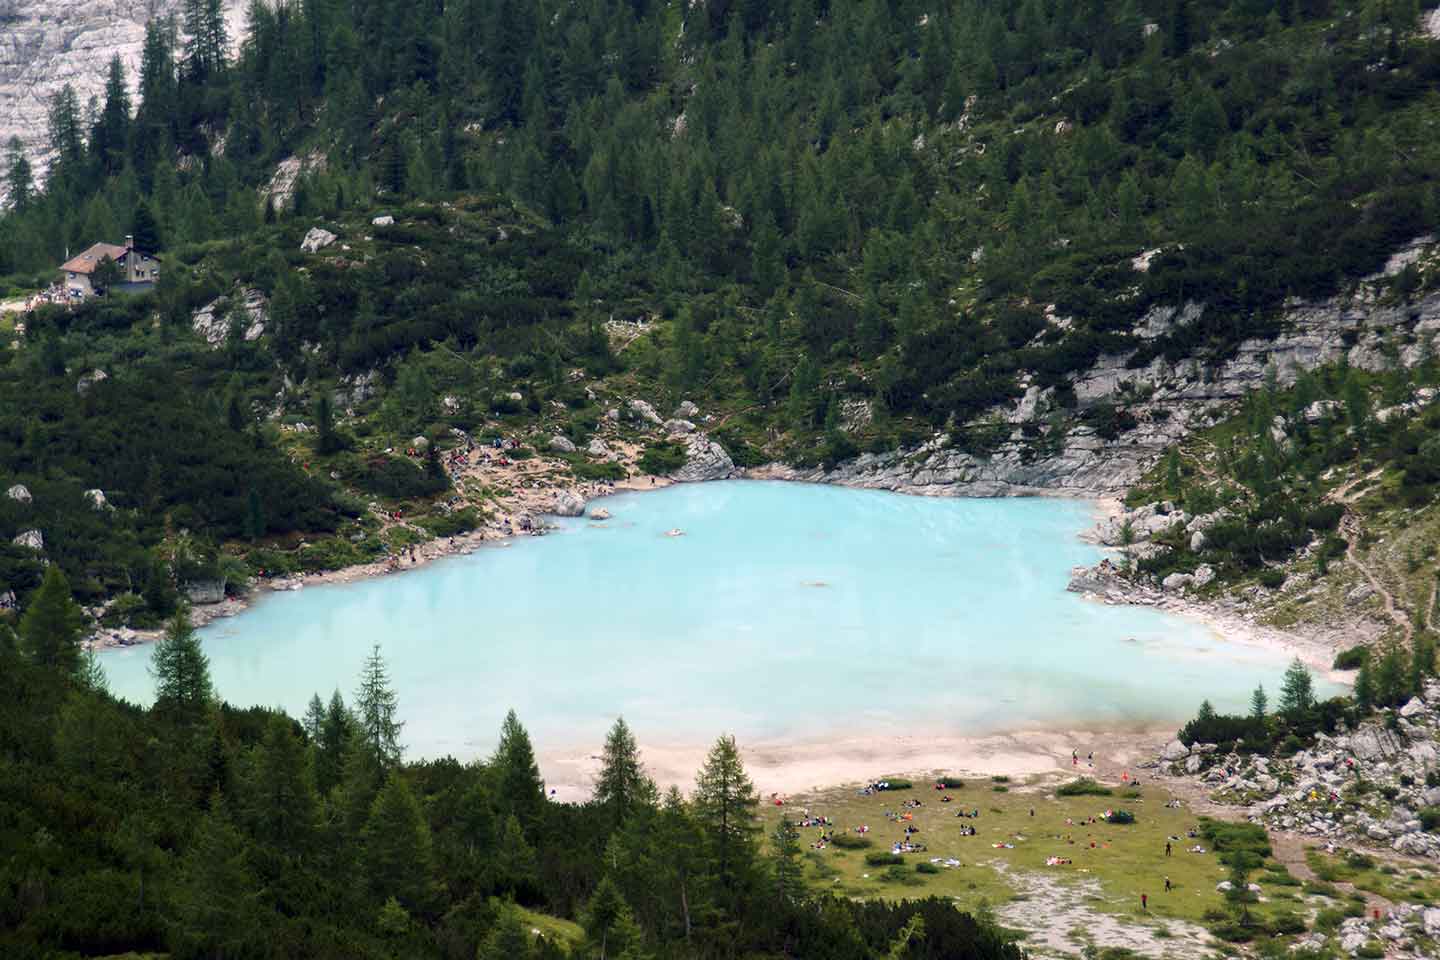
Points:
(129, 242)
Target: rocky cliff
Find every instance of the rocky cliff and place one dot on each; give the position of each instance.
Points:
(1167, 400)
(45, 44)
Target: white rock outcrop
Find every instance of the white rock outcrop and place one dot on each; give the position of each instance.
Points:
(568, 503)
(643, 411)
(33, 539)
(705, 460)
(19, 493)
(87, 381)
(561, 444)
(316, 239)
(249, 308)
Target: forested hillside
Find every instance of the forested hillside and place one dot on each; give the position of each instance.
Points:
(840, 227)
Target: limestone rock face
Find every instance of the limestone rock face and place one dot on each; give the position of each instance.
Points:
(212, 321)
(45, 44)
(707, 461)
(598, 448)
(679, 426)
(686, 410)
(316, 239)
(19, 493)
(33, 539)
(205, 591)
(1175, 750)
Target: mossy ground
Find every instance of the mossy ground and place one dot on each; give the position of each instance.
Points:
(1412, 883)
(1125, 860)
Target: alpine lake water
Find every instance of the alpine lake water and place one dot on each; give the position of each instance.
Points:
(784, 612)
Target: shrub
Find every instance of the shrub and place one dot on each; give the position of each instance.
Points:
(451, 524)
(1000, 788)
(851, 841)
(898, 874)
(926, 868)
(662, 458)
(1430, 819)
(1271, 578)
(1351, 659)
(883, 858)
(598, 471)
(1000, 778)
(1285, 923)
(1084, 787)
(951, 783)
(894, 783)
(1121, 817)
(1232, 931)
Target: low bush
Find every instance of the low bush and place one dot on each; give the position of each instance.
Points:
(1429, 819)
(1286, 923)
(926, 868)
(662, 458)
(1084, 787)
(1271, 578)
(882, 858)
(894, 783)
(1000, 778)
(951, 783)
(451, 524)
(1351, 659)
(1000, 788)
(851, 841)
(600, 472)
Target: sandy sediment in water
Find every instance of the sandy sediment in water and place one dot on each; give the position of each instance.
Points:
(786, 767)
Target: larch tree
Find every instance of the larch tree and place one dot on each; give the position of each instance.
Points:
(110, 137)
(282, 808)
(622, 785)
(314, 718)
(518, 787)
(725, 803)
(375, 708)
(332, 743)
(1297, 690)
(52, 624)
(1259, 703)
(397, 854)
(213, 911)
(181, 671)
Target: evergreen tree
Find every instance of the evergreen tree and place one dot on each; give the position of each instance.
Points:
(1364, 687)
(518, 787)
(508, 939)
(375, 709)
(1390, 677)
(622, 785)
(1259, 703)
(397, 847)
(206, 41)
(90, 673)
(1297, 690)
(110, 137)
(725, 804)
(213, 911)
(19, 180)
(1422, 661)
(514, 866)
(333, 741)
(52, 624)
(610, 930)
(789, 872)
(67, 140)
(181, 671)
(283, 809)
(145, 230)
(314, 718)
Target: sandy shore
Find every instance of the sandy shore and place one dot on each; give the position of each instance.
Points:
(802, 766)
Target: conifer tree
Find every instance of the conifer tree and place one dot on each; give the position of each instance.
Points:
(789, 873)
(51, 625)
(622, 785)
(397, 847)
(1364, 687)
(283, 809)
(1390, 677)
(1422, 661)
(110, 138)
(213, 910)
(332, 744)
(181, 671)
(725, 803)
(19, 179)
(518, 788)
(514, 865)
(1259, 703)
(1297, 690)
(375, 709)
(314, 718)
(90, 673)
(507, 940)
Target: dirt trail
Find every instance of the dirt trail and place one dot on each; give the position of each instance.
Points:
(1350, 528)
(1289, 849)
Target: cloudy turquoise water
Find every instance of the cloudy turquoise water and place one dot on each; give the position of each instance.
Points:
(785, 611)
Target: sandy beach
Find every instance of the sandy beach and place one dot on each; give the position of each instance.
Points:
(801, 766)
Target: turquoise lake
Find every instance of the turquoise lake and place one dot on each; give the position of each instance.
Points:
(786, 611)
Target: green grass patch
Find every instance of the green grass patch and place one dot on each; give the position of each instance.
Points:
(1084, 787)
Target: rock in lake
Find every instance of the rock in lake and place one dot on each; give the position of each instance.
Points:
(599, 513)
(568, 503)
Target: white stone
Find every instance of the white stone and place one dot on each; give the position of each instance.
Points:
(32, 539)
(568, 503)
(1413, 708)
(384, 220)
(679, 426)
(686, 410)
(644, 411)
(561, 444)
(205, 591)
(1204, 574)
(599, 513)
(420, 443)
(19, 493)
(1175, 750)
(598, 448)
(1176, 582)
(705, 460)
(316, 239)
(1197, 541)
(96, 499)
(89, 380)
